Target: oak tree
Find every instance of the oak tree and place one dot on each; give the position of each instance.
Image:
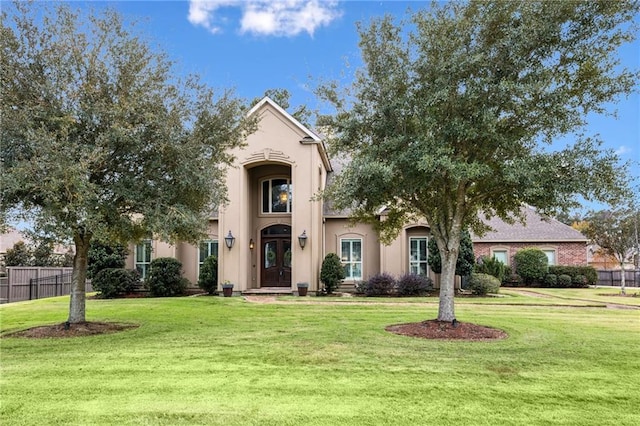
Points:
(101, 138)
(452, 116)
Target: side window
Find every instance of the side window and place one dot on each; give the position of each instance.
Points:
(143, 258)
(351, 257)
(500, 255)
(551, 256)
(207, 248)
(418, 255)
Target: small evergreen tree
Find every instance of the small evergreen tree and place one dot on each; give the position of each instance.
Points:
(208, 279)
(466, 257)
(491, 266)
(332, 272)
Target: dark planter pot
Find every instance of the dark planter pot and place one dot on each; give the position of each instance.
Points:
(302, 289)
(227, 290)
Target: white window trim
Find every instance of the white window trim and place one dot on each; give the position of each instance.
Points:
(418, 262)
(361, 261)
(143, 243)
(209, 241)
(261, 199)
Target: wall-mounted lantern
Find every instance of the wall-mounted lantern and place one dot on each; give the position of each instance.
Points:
(229, 240)
(251, 244)
(302, 239)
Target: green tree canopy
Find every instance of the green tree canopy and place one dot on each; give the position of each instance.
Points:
(100, 137)
(451, 114)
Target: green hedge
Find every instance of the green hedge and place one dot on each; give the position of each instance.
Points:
(588, 272)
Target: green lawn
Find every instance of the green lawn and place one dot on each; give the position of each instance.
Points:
(213, 360)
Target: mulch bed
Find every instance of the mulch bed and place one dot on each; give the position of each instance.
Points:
(74, 330)
(434, 329)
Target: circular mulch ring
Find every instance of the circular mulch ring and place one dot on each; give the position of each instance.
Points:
(434, 329)
(74, 330)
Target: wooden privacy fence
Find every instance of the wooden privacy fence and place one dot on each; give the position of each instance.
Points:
(613, 278)
(27, 283)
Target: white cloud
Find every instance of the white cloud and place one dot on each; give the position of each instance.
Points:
(266, 17)
(623, 150)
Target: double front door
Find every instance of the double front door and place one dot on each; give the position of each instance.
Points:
(276, 256)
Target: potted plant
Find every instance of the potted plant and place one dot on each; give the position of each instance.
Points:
(302, 289)
(227, 289)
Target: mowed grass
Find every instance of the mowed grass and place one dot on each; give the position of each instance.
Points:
(213, 360)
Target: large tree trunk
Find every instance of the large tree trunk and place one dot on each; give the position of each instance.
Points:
(449, 247)
(79, 278)
(446, 308)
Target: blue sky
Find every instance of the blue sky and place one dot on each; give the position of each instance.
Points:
(255, 45)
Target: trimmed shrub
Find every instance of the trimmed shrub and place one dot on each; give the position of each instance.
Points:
(331, 273)
(551, 280)
(165, 278)
(380, 285)
(114, 282)
(491, 266)
(512, 280)
(360, 287)
(579, 281)
(564, 280)
(208, 279)
(589, 272)
(482, 284)
(414, 285)
(532, 265)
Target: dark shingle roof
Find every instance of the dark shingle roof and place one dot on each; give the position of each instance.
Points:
(536, 229)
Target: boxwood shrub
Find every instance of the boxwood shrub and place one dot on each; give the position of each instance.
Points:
(564, 280)
(551, 280)
(115, 282)
(165, 278)
(482, 284)
(589, 272)
(532, 265)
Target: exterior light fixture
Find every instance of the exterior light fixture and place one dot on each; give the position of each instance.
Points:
(229, 240)
(283, 197)
(302, 239)
(251, 244)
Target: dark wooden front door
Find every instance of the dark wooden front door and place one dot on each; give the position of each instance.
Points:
(276, 262)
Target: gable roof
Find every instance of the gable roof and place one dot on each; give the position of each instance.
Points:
(535, 229)
(310, 137)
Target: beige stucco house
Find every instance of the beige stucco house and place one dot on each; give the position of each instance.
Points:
(274, 233)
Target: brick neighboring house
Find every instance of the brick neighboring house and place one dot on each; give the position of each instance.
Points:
(562, 244)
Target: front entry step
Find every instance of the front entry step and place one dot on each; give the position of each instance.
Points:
(268, 291)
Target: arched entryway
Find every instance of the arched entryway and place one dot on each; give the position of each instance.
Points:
(276, 256)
